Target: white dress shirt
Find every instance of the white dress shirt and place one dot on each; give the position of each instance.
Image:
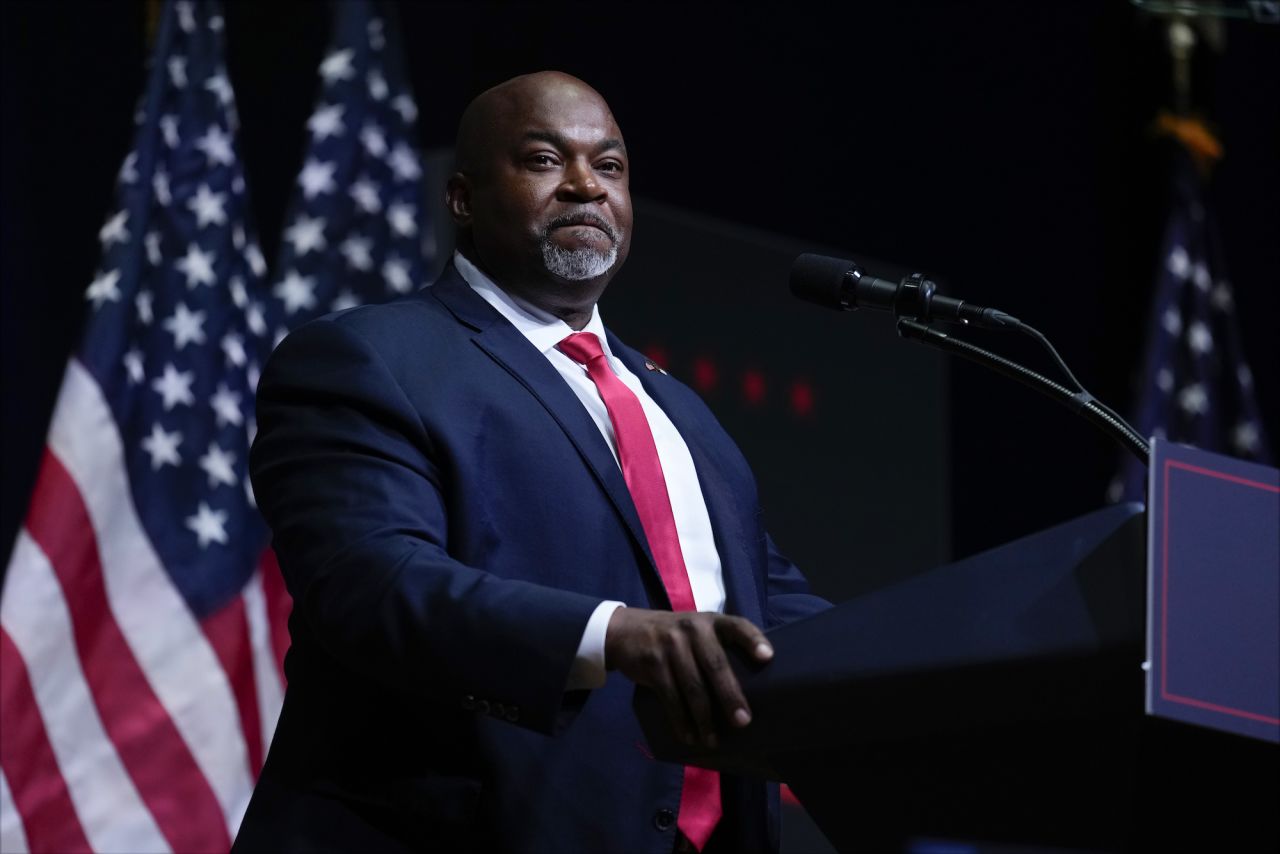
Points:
(693, 525)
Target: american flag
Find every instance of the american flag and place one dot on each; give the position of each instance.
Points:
(1197, 388)
(142, 619)
(356, 231)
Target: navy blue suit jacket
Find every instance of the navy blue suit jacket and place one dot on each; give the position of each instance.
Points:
(447, 516)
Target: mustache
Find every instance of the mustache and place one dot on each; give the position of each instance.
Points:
(582, 218)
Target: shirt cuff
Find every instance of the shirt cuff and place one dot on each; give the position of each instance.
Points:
(588, 666)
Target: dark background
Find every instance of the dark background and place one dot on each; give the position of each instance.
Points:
(1005, 148)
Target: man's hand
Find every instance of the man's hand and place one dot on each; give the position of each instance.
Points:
(681, 656)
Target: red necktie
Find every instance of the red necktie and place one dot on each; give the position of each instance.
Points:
(638, 455)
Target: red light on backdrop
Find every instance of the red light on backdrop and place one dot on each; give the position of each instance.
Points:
(705, 374)
(801, 398)
(753, 387)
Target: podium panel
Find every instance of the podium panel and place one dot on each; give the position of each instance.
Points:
(1213, 632)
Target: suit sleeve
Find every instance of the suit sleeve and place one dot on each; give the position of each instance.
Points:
(787, 596)
(344, 471)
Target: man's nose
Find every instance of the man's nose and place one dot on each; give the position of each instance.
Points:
(580, 184)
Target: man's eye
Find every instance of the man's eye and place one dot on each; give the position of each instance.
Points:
(541, 160)
(611, 166)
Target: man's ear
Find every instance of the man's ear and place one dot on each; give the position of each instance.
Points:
(457, 198)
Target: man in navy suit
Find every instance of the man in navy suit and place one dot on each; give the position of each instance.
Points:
(482, 502)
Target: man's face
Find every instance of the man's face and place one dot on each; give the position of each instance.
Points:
(550, 207)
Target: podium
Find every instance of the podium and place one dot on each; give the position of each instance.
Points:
(1000, 700)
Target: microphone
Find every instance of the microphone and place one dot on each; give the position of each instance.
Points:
(843, 285)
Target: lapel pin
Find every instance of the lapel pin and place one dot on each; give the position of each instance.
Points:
(649, 365)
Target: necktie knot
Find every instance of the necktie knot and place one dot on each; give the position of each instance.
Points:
(582, 347)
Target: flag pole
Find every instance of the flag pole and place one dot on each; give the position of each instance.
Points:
(153, 10)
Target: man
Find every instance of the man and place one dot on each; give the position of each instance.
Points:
(481, 502)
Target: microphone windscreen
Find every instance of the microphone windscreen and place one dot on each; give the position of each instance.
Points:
(820, 279)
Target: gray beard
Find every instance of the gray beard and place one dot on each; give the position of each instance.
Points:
(577, 265)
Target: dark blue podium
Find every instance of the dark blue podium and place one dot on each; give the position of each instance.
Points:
(998, 699)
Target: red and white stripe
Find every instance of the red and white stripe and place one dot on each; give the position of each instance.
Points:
(126, 724)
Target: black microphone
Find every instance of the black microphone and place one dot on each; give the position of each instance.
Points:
(843, 285)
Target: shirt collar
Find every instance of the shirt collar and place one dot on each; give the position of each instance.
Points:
(543, 329)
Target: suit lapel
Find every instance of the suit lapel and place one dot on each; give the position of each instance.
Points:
(741, 593)
(506, 346)
(510, 349)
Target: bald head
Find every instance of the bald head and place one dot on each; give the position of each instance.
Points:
(488, 118)
(541, 193)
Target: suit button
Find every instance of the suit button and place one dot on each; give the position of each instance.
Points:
(469, 702)
(482, 706)
(513, 713)
(663, 819)
(498, 710)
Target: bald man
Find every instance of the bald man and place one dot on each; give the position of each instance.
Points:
(483, 503)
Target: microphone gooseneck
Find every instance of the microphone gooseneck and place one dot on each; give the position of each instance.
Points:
(843, 285)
